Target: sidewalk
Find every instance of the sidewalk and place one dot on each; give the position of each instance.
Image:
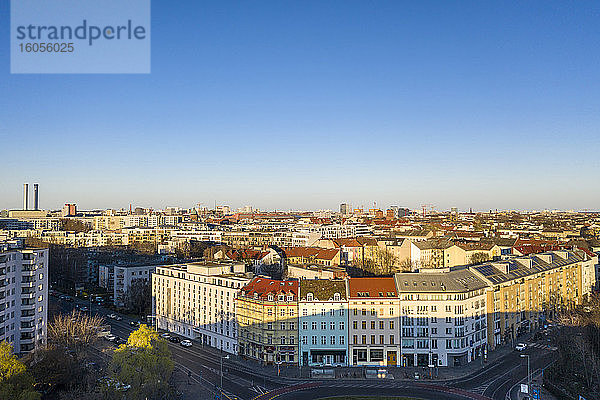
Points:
(439, 373)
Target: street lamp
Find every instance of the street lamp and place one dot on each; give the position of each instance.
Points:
(222, 357)
(528, 375)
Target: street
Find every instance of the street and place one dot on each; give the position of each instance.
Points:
(203, 364)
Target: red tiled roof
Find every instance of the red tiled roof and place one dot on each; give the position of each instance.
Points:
(264, 286)
(372, 287)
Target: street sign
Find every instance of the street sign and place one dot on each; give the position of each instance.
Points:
(524, 388)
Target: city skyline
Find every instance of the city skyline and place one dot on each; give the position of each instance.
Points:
(289, 106)
(30, 196)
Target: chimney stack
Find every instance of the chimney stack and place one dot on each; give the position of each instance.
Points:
(36, 202)
(26, 196)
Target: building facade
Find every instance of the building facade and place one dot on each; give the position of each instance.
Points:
(23, 296)
(123, 278)
(198, 301)
(323, 322)
(267, 314)
(374, 321)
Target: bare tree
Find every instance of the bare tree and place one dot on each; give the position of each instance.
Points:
(139, 297)
(75, 331)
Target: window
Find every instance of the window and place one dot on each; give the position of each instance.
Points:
(304, 340)
(376, 355)
(314, 325)
(314, 340)
(332, 340)
(323, 325)
(342, 340)
(391, 324)
(391, 339)
(304, 312)
(354, 339)
(364, 324)
(381, 340)
(372, 324)
(332, 326)
(283, 340)
(372, 339)
(304, 325)
(342, 325)
(309, 297)
(323, 339)
(282, 326)
(363, 339)
(354, 324)
(380, 324)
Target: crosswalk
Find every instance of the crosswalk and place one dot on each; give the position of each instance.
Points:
(258, 389)
(480, 389)
(542, 346)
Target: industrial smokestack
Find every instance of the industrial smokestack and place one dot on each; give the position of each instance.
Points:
(36, 200)
(26, 196)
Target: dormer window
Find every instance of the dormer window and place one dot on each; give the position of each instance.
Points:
(270, 297)
(309, 297)
(281, 297)
(290, 297)
(336, 297)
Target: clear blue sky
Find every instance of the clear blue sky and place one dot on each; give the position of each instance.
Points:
(307, 104)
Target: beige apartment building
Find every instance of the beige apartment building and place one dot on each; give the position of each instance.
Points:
(198, 301)
(267, 317)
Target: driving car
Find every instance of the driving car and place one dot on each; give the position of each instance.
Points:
(112, 316)
(165, 335)
(520, 346)
(174, 339)
(186, 343)
(110, 337)
(118, 318)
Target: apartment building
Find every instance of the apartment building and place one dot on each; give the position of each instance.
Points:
(267, 314)
(23, 295)
(374, 321)
(123, 278)
(323, 322)
(443, 317)
(525, 291)
(198, 301)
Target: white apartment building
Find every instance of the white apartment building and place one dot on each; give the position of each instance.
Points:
(337, 231)
(23, 295)
(197, 300)
(323, 322)
(374, 321)
(443, 317)
(124, 276)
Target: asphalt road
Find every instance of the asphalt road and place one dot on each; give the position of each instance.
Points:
(493, 382)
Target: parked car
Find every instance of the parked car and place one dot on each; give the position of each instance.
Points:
(520, 346)
(111, 338)
(165, 335)
(118, 318)
(120, 341)
(174, 339)
(112, 316)
(186, 343)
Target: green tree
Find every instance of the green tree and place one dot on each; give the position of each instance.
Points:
(145, 363)
(15, 382)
